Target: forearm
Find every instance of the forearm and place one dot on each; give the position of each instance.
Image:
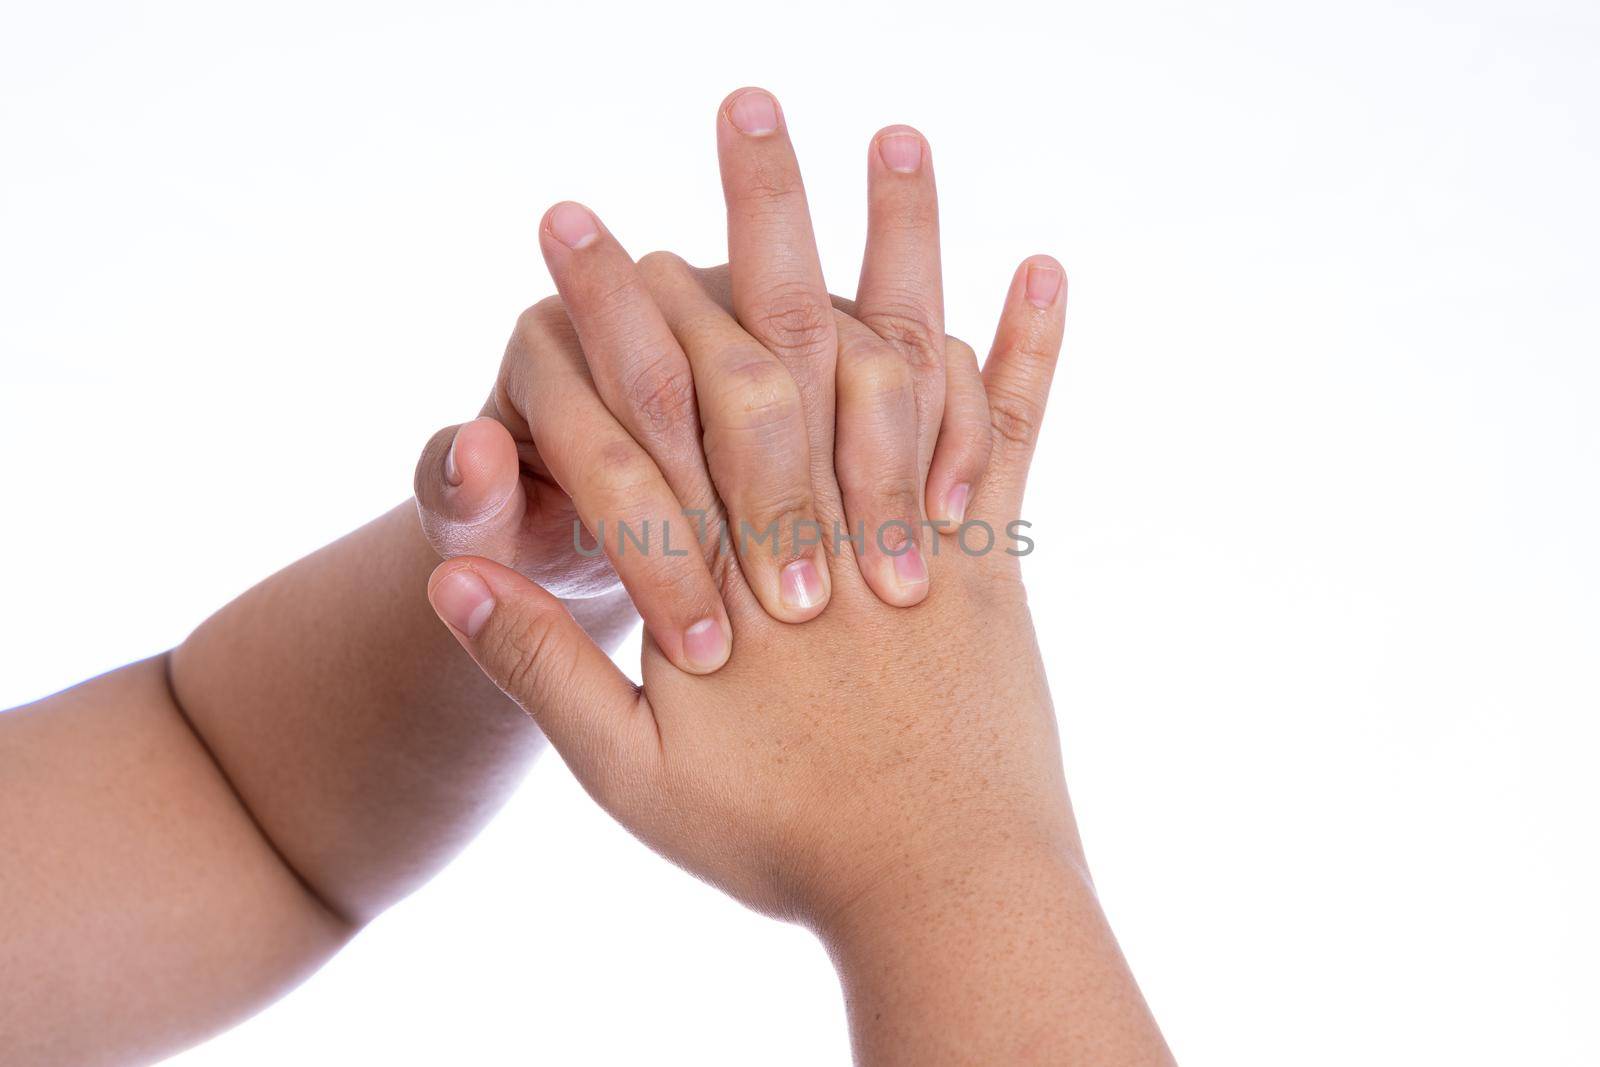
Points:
(189, 836)
(999, 961)
(140, 909)
(362, 740)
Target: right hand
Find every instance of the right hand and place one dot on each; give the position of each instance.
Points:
(889, 777)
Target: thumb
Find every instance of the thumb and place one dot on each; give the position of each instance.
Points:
(468, 490)
(526, 642)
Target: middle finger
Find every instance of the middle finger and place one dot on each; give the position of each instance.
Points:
(778, 293)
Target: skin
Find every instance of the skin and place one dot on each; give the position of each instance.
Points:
(190, 836)
(889, 778)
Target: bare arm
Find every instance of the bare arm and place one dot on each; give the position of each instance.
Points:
(187, 837)
(1003, 957)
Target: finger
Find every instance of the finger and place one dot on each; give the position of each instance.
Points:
(719, 287)
(877, 466)
(469, 493)
(526, 642)
(901, 295)
(637, 366)
(620, 496)
(962, 453)
(776, 278)
(1017, 376)
(755, 445)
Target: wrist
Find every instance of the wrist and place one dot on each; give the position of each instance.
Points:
(997, 958)
(903, 904)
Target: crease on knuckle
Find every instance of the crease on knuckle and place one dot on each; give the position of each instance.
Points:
(768, 186)
(783, 506)
(617, 304)
(883, 497)
(1014, 417)
(660, 390)
(907, 327)
(916, 215)
(684, 587)
(794, 321)
(1037, 344)
(538, 660)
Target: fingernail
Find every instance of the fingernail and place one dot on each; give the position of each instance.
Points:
(901, 152)
(909, 568)
(755, 113)
(573, 225)
(463, 600)
(705, 645)
(1043, 285)
(800, 585)
(452, 473)
(955, 502)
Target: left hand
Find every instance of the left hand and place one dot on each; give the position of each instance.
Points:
(488, 487)
(866, 707)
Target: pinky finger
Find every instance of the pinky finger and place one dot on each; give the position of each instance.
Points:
(1017, 376)
(962, 454)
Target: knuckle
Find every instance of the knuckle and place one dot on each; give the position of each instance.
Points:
(683, 586)
(1037, 350)
(896, 521)
(660, 391)
(794, 320)
(761, 396)
(541, 329)
(662, 264)
(533, 654)
(783, 505)
(548, 315)
(908, 327)
(769, 185)
(619, 476)
(882, 495)
(1037, 344)
(1014, 417)
(613, 302)
(878, 373)
(958, 351)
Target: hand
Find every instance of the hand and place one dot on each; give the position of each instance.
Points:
(825, 759)
(489, 487)
(892, 779)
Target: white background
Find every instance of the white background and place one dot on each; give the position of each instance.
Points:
(1316, 507)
